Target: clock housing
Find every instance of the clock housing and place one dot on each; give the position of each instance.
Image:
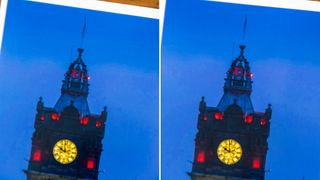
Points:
(65, 151)
(229, 151)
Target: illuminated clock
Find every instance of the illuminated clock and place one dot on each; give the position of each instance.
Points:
(229, 151)
(65, 151)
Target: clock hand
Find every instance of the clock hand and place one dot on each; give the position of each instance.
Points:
(62, 149)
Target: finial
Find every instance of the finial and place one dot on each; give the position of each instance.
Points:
(80, 50)
(202, 105)
(242, 47)
(39, 105)
(268, 112)
(104, 114)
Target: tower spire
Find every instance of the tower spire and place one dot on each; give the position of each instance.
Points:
(75, 86)
(239, 76)
(238, 84)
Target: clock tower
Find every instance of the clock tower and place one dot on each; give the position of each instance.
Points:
(67, 141)
(231, 142)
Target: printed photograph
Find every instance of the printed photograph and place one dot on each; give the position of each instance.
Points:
(240, 92)
(79, 94)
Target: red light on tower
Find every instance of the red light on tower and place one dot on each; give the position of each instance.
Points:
(218, 116)
(205, 118)
(263, 122)
(256, 163)
(55, 116)
(238, 71)
(248, 119)
(84, 120)
(37, 155)
(98, 124)
(42, 117)
(90, 163)
(201, 157)
(74, 73)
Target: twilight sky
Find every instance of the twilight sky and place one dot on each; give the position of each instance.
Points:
(283, 52)
(121, 53)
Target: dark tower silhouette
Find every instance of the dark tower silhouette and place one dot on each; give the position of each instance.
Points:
(66, 143)
(231, 142)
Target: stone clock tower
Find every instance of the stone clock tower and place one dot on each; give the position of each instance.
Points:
(231, 142)
(66, 143)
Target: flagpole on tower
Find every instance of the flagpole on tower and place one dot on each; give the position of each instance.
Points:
(244, 29)
(83, 32)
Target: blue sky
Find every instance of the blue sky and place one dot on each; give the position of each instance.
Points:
(121, 53)
(283, 52)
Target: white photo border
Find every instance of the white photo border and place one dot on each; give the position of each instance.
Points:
(3, 10)
(106, 7)
(306, 5)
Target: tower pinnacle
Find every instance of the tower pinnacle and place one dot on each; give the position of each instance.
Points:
(242, 47)
(75, 86)
(238, 84)
(80, 50)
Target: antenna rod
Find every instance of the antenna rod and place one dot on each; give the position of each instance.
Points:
(83, 31)
(244, 29)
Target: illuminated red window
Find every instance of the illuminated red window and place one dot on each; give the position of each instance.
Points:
(98, 124)
(84, 120)
(55, 116)
(205, 118)
(238, 71)
(90, 163)
(218, 115)
(250, 75)
(42, 117)
(248, 119)
(87, 78)
(37, 155)
(263, 122)
(256, 163)
(201, 157)
(74, 73)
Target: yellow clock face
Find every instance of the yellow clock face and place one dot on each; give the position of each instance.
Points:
(229, 151)
(65, 151)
